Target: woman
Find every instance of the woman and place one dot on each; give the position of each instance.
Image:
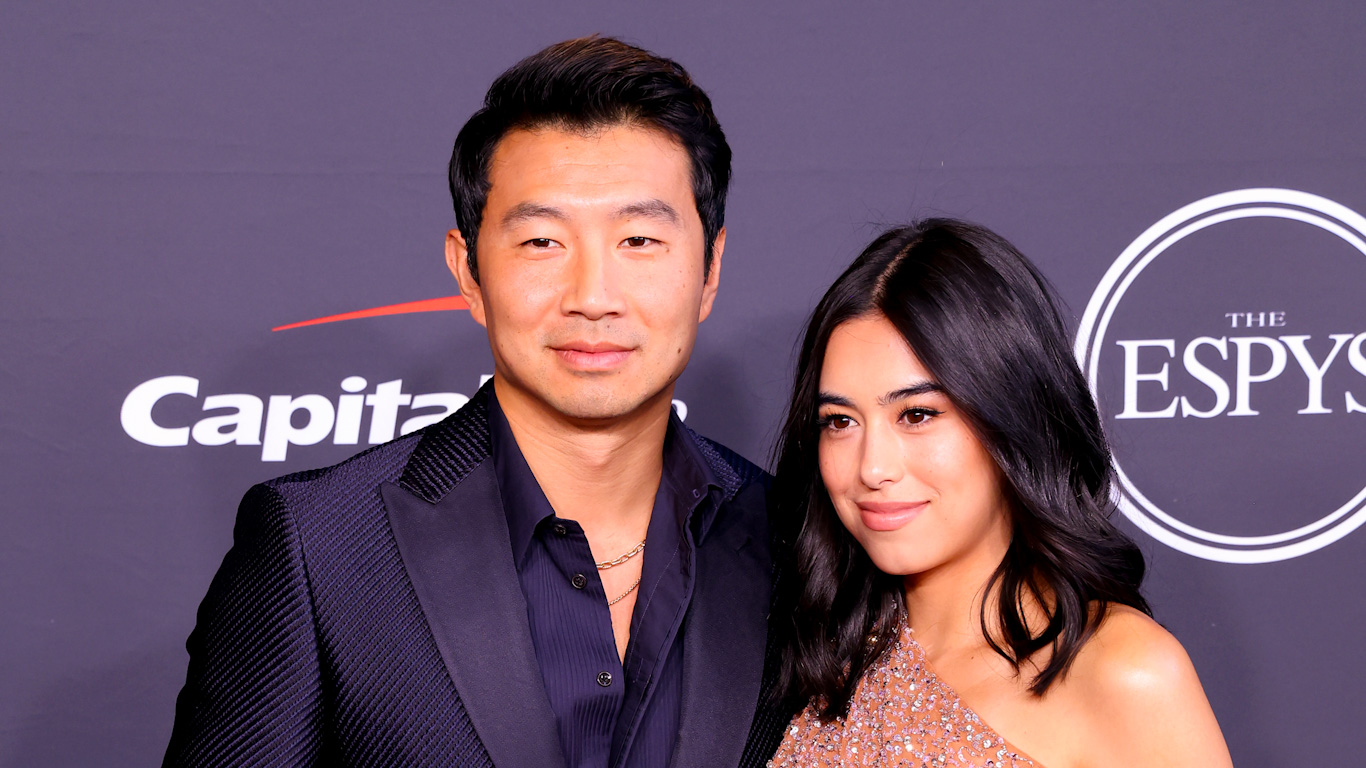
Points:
(960, 597)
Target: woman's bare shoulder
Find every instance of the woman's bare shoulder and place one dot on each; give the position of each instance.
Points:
(1141, 692)
(1132, 655)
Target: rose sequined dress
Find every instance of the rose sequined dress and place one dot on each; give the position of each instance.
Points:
(902, 714)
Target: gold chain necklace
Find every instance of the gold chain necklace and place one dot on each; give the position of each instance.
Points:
(637, 549)
(623, 595)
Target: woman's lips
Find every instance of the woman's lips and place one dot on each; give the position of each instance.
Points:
(592, 357)
(889, 515)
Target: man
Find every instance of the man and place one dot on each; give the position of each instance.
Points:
(560, 573)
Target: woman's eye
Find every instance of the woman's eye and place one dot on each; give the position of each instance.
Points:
(637, 242)
(836, 423)
(915, 416)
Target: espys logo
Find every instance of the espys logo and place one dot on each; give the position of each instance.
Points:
(271, 421)
(1230, 334)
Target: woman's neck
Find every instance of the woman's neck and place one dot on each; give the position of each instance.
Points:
(944, 604)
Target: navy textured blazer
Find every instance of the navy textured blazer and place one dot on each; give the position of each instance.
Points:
(369, 614)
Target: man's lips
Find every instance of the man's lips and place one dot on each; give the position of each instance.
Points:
(889, 515)
(592, 356)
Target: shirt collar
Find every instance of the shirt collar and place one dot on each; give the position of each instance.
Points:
(695, 485)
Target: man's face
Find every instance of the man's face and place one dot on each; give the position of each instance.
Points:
(591, 280)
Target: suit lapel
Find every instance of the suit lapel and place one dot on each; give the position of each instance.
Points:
(448, 520)
(447, 517)
(460, 562)
(723, 646)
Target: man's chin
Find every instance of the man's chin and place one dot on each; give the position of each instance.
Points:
(588, 400)
(604, 406)
(597, 410)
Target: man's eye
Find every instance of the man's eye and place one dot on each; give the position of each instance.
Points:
(540, 242)
(638, 242)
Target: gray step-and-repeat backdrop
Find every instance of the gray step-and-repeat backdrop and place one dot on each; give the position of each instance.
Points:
(181, 185)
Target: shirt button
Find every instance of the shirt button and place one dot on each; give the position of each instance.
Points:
(560, 530)
(579, 581)
(604, 679)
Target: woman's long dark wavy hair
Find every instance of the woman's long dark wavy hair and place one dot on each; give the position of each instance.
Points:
(982, 320)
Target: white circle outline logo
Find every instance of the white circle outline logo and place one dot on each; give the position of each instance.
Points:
(1228, 206)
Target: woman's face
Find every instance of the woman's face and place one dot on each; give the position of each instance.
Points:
(906, 474)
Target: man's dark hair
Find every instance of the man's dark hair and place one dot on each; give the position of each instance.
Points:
(583, 85)
(984, 322)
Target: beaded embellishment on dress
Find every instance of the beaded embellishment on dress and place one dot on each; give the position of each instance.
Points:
(901, 715)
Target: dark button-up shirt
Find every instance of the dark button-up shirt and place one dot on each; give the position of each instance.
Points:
(610, 714)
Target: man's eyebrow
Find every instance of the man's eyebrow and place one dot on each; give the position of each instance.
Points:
(653, 208)
(523, 212)
(920, 388)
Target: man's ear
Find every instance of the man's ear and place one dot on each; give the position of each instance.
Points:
(713, 280)
(457, 260)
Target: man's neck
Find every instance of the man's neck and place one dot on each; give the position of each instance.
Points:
(603, 475)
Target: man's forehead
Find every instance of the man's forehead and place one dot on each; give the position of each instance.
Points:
(590, 134)
(619, 149)
(622, 170)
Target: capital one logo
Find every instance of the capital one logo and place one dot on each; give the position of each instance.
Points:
(1229, 343)
(275, 423)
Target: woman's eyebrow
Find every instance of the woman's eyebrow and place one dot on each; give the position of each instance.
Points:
(830, 398)
(921, 388)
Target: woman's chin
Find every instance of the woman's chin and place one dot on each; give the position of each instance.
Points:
(896, 563)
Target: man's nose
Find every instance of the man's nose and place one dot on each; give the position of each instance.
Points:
(593, 289)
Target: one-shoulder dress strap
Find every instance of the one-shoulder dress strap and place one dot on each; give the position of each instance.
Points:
(902, 714)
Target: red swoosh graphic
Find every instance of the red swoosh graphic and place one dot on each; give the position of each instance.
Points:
(443, 304)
